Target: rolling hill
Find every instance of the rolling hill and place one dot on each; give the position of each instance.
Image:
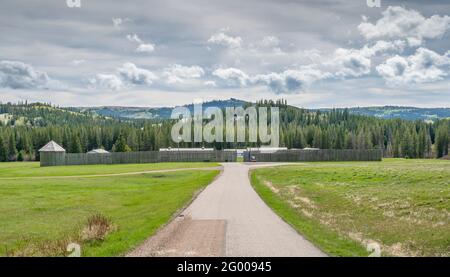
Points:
(153, 113)
(41, 114)
(385, 112)
(407, 113)
(38, 114)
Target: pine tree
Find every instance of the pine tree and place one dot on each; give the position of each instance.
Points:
(3, 150)
(442, 141)
(397, 145)
(12, 150)
(20, 156)
(75, 145)
(317, 141)
(121, 145)
(422, 143)
(428, 147)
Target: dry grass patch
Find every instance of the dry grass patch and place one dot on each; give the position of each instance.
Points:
(95, 229)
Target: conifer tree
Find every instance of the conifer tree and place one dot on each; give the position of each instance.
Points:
(121, 145)
(12, 150)
(3, 150)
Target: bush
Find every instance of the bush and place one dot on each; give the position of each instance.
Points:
(95, 229)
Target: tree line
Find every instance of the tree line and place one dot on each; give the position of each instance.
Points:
(25, 128)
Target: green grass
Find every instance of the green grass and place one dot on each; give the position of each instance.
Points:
(32, 169)
(404, 205)
(39, 211)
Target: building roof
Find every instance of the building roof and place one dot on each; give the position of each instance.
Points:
(185, 149)
(267, 149)
(52, 146)
(98, 151)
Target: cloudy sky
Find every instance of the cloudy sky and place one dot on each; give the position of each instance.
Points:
(329, 53)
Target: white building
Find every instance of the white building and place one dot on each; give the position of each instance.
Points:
(266, 149)
(185, 149)
(98, 151)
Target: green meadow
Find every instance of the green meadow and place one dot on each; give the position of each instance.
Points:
(402, 205)
(40, 216)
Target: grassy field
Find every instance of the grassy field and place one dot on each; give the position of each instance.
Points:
(40, 216)
(32, 169)
(403, 205)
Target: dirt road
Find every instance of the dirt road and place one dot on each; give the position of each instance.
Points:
(228, 219)
(113, 174)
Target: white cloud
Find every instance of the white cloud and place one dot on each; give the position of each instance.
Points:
(357, 62)
(232, 76)
(291, 81)
(350, 63)
(268, 45)
(127, 75)
(270, 41)
(134, 38)
(288, 81)
(77, 62)
(142, 47)
(117, 22)
(178, 73)
(132, 74)
(19, 75)
(225, 40)
(423, 67)
(343, 63)
(210, 84)
(398, 22)
(383, 46)
(107, 81)
(145, 48)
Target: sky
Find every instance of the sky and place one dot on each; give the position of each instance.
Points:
(330, 53)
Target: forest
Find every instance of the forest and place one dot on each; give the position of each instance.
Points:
(26, 127)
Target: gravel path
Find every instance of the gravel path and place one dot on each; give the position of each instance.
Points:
(114, 174)
(228, 218)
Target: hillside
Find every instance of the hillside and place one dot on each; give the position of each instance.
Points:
(407, 113)
(39, 115)
(153, 113)
(385, 112)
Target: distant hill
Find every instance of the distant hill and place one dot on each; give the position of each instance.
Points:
(41, 114)
(153, 113)
(407, 113)
(38, 114)
(386, 112)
